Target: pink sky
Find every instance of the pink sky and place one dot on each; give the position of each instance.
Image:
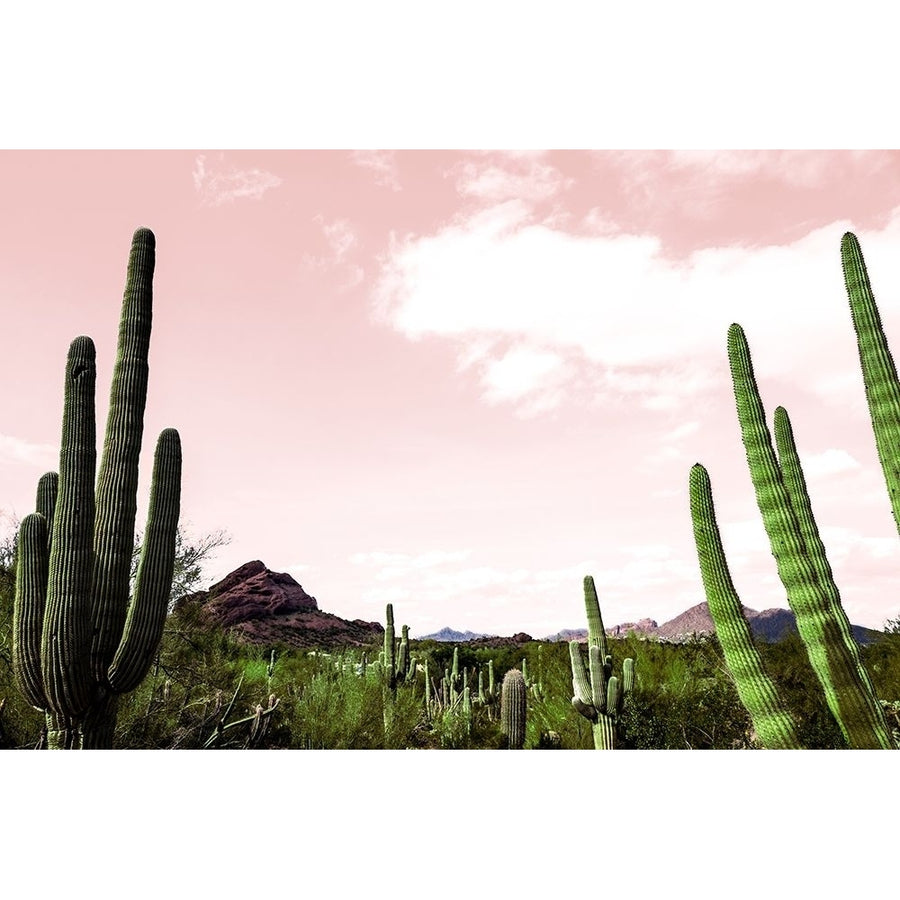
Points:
(460, 381)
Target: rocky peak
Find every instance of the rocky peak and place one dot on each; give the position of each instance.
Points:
(255, 592)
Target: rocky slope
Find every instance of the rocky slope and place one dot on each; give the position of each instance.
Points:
(260, 606)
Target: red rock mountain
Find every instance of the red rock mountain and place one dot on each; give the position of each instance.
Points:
(260, 606)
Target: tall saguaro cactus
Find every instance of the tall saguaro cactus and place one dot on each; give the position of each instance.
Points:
(598, 693)
(80, 640)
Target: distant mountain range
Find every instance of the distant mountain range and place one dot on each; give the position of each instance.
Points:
(448, 635)
(260, 606)
(768, 625)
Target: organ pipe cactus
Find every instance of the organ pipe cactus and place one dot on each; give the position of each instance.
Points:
(803, 567)
(80, 641)
(598, 693)
(878, 369)
(513, 709)
(774, 724)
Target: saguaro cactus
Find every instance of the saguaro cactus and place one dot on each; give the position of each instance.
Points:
(879, 371)
(513, 709)
(80, 640)
(598, 694)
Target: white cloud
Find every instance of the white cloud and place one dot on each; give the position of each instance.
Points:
(220, 184)
(382, 163)
(18, 451)
(519, 372)
(627, 310)
(828, 462)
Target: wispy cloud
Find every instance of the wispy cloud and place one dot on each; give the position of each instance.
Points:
(523, 178)
(218, 183)
(342, 242)
(18, 451)
(382, 163)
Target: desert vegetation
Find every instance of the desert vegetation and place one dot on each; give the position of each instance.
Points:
(98, 650)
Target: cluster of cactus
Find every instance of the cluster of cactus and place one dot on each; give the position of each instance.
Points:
(599, 695)
(394, 660)
(803, 567)
(80, 640)
(513, 708)
(535, 685)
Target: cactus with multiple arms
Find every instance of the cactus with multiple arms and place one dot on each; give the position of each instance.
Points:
(598, 694)
(80, 642)
(804, 571)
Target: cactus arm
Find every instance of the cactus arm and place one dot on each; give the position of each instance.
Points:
(45, 502)
(28, 608)
(147, 612)
(117, 481)
(627, 676)
(773, 722)
(598, 678)
(66, 638)
(580, 683)
(824, 625)
(855, 709)
(879, 371)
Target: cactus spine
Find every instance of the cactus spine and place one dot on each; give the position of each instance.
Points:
(598, 694)
(79, 643)
(513, 709)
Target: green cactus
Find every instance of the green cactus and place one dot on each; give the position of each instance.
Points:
(800, 557)
(774, 724)
(879, 373)
(79, 641)
(598, 694)
(513, 709)
(394, 658)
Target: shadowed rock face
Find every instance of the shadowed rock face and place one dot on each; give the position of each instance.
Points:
(264, 607)
(255, 592)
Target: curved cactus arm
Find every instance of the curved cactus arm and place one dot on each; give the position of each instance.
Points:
(773, 722)
(117, 480)
(147, 612)
(28, 608)
(879, 371)
(849, 698)
(66, 638)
